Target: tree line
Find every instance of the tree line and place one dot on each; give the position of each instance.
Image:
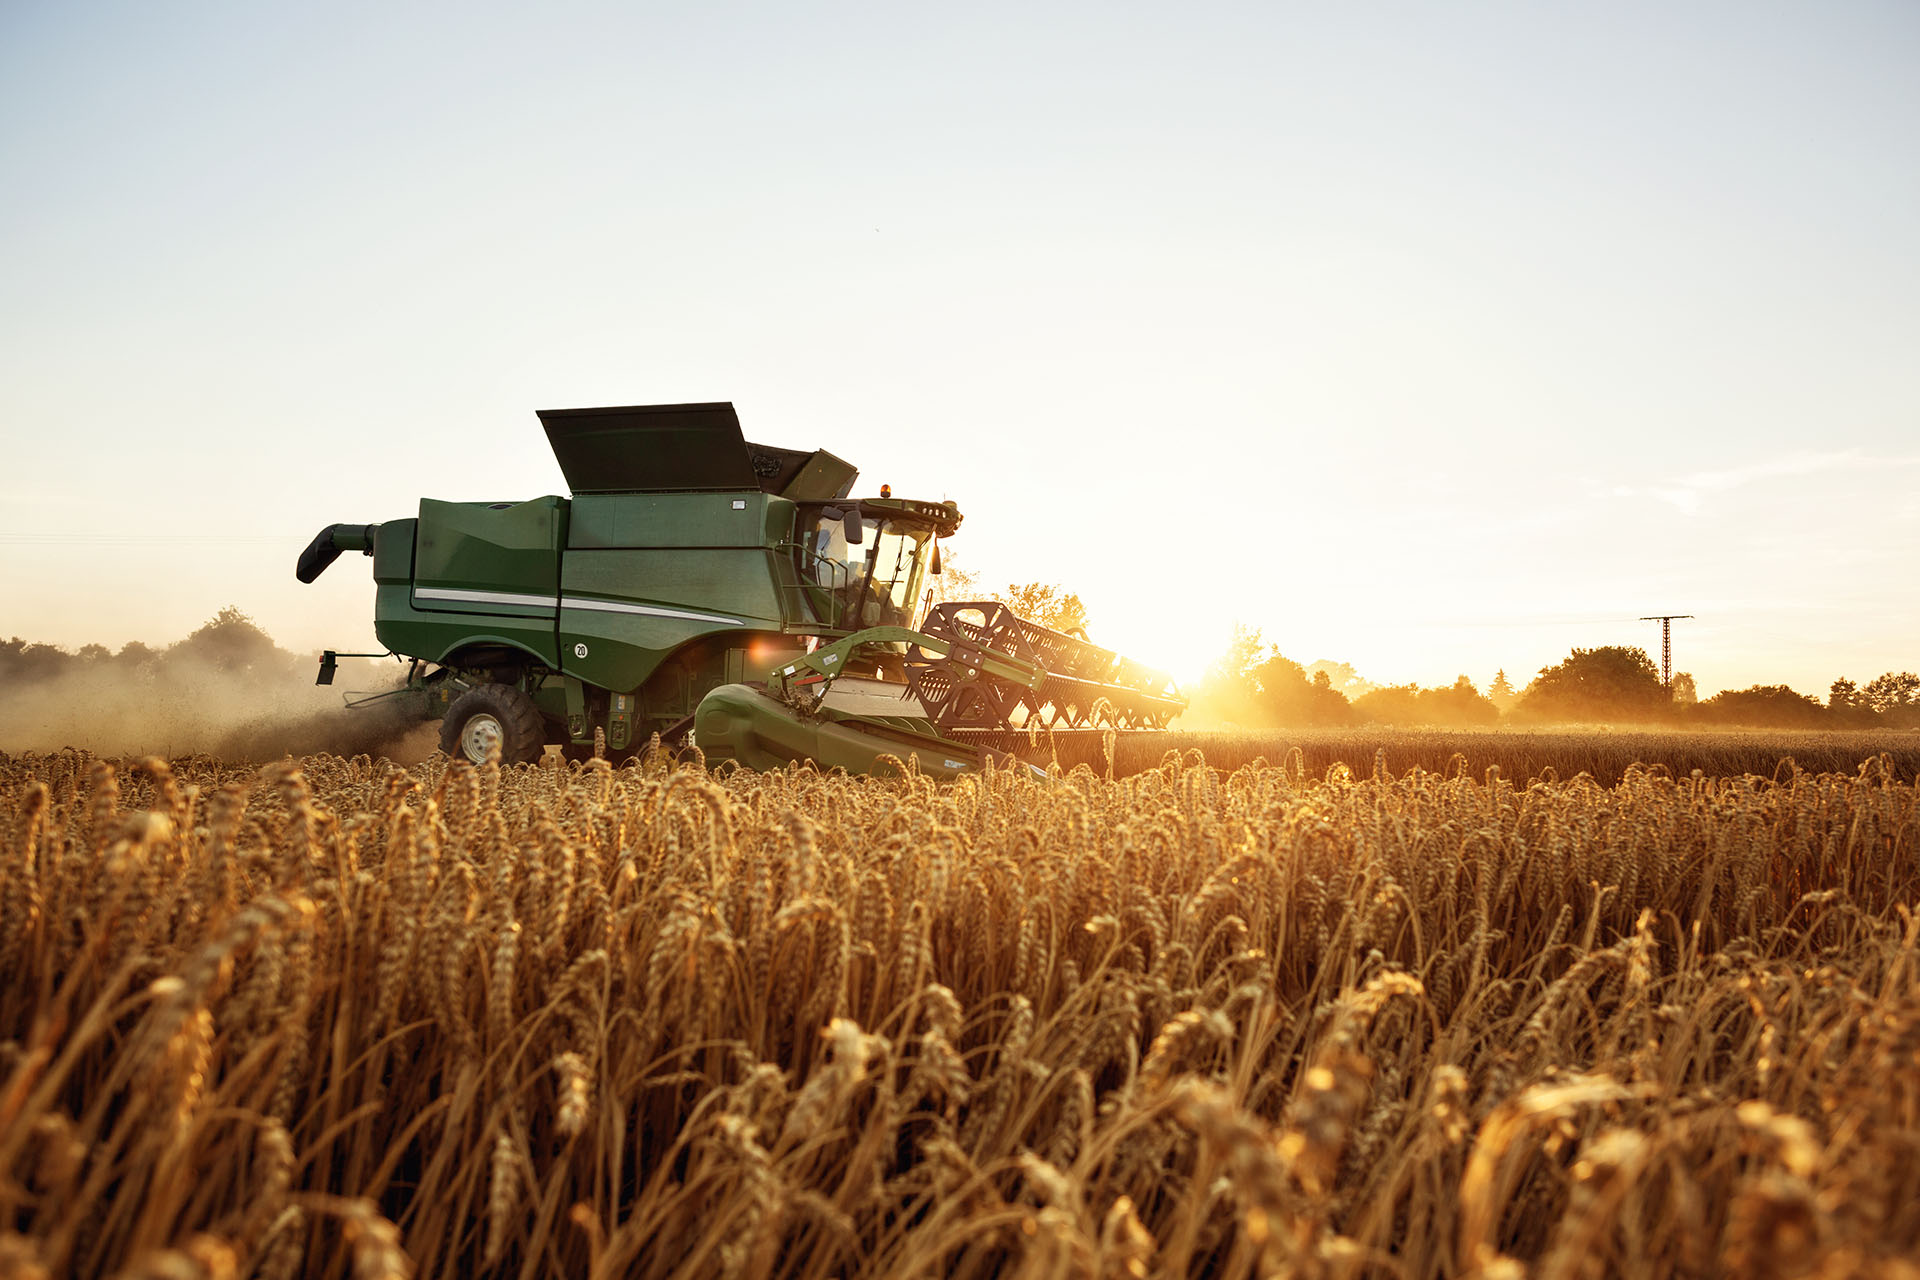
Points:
(1254, 684)
(230, 644)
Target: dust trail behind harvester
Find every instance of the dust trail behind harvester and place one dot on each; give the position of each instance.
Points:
(227, 690)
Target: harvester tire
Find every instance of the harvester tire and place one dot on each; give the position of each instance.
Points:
(493, 713)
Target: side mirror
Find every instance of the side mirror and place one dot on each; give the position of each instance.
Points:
(935, 566)
(849, 519)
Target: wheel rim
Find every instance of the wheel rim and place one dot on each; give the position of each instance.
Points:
(482, 732)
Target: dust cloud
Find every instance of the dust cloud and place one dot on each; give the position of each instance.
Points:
(227, 690)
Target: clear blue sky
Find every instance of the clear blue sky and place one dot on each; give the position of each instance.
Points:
(1431, 338)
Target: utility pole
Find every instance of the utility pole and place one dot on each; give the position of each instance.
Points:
(1666, 621)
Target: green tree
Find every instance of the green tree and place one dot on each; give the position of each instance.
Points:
(1390, 704)
(1608, 683)
(1228, 691)
(1286, 695)
(22, 662)
(1762, 706)
(1244, 652)
(1684, 691)
(1847, 706)
(1501, 692)
(230, 642)
(1342, 678)
(1458, 705)
(1253, 685)
(1843, 695)
(1047, 603)
(1462, 704)
(1893, 693)
(953, 582)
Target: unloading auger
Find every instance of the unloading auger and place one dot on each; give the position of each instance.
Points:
(696, 584)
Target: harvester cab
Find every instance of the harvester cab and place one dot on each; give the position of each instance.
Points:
(692, 581)
(865, 563)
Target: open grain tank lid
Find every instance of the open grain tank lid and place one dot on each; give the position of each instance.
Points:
(680, 448)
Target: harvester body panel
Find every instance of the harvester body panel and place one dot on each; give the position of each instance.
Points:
(476, 574)
(471, 555)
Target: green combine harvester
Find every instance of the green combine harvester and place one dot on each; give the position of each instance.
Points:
(697, 584)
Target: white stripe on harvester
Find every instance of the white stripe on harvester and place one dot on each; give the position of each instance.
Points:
(484, 597)
(463, 596)
(646, 610)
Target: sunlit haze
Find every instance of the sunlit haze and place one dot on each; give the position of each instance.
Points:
(1434, 339)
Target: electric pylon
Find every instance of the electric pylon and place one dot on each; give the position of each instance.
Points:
(1666, 621)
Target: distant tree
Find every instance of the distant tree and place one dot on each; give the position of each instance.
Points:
(954, 582)
(1285, 695)
(230, 641)
(1229, 691)
(23, 662)
(1391, 704)
(1843, 695)
(1608, 683)
(1342, 678)
(1047, 603)
(1253, 685)
(1462, 704)
(1847, 706)
(1893, 693)
(1683, 691)
(1501, 692)
(134, 653)
(1891, 698)
(1459, 705)
(1244, 652)
(1762, 706)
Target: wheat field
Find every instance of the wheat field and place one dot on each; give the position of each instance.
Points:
(333, 1017)
(1604, 752)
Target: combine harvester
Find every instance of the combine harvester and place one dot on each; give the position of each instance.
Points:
(694, 582)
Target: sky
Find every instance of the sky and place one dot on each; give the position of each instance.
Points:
(1434, 339)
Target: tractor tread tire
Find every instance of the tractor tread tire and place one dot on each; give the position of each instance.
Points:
(523, 730)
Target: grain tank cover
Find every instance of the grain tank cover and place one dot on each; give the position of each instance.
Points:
(683, 448)
(799, 475)
(659, 448)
